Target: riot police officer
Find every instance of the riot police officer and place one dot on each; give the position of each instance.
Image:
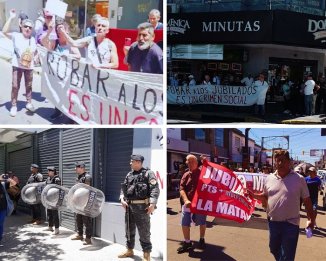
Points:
(82, 220)
(36, 208)
(53, 215)
(139, 195)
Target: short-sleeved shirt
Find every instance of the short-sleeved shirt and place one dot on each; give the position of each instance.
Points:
(189, 183)
(283, 195)
(262, 88)
(148, 61)
(309, 87)
(23, 47)
(313, 187)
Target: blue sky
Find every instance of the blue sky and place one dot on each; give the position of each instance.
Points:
(300, 139)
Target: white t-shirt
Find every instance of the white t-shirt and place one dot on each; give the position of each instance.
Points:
(262, 88)
(309, 87)
(24, 50)
(104, 49)
(247, 81)
(192, 82)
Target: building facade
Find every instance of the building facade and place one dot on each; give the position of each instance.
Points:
(237, 38)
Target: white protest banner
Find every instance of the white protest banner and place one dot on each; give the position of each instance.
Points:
(91, 96)
(252, 181)
(56, 7)
(213, 94)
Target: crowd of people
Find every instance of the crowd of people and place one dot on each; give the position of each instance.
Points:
(53, 32)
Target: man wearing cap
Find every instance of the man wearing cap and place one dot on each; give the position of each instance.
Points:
(192, 81)
(22, 60)
(36, 208)
(139, 195)
(82, 220)
(53, 178)
(314, 186)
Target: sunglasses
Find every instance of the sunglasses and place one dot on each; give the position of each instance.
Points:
(30, 27)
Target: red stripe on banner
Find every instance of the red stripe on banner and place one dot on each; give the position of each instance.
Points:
(118, 37)
(220, 193)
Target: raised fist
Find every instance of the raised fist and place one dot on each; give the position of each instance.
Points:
(12, 13)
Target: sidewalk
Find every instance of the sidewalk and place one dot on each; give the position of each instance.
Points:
(30, 242)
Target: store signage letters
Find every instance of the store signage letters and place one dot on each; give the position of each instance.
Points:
(231, 26)
(318, 28)
(178, 26)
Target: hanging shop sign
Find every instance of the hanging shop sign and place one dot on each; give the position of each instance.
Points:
(224, 27)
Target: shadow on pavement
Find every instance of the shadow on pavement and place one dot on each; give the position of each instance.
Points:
(37, 96)
(171, 212)
(97, 244)
(254, 222)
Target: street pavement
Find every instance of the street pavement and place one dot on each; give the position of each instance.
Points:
(228, 240)
(27, 242)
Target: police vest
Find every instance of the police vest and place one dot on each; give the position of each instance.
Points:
(137, 185)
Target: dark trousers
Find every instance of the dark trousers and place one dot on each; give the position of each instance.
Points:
(139, 218)
(283, 239)
(321, 97)
(82, 220)
(36, 211)
(53, 216)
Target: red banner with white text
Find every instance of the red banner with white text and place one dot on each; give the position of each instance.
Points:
(221, 194)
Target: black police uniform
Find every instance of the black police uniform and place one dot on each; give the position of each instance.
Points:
(53, 214)
(140, 188)
(81, 219)
(36, 208)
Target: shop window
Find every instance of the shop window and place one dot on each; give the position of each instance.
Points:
(219, 137)
(200, 134)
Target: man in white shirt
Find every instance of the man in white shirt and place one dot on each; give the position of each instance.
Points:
(192, 81)
(308, 95)
(262, 88)
(248, 80)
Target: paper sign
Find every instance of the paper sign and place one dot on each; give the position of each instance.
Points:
(56, 7)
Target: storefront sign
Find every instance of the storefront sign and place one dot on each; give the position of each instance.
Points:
(198, 51)
(224, 27)
(91, 96)
(213, 94)
(310, 29)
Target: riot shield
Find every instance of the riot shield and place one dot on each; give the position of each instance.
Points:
(86, 200)
(31, 193)
(55, 197)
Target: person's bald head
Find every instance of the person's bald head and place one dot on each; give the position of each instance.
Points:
(192, 162)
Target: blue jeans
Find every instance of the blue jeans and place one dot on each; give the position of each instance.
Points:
(308, 104)
(260, 109)
(283, 240)
(2, 220)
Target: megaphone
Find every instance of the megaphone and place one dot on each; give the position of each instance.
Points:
(86, 200)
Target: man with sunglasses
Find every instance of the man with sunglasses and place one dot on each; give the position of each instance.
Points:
(82, 220)
(22, 60)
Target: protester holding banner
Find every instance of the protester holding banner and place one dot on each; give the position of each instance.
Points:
(36, 208)
(282, 191)
(144, 55)
(53, 214)
(139, 195)
(22, 60)
(188, 185)
(82, 220)
(262, 87)
(154, 17)
(101, 51)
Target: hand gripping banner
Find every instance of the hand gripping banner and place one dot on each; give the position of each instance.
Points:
(86, 200)
(31, 193)
(55, 197)
(220, 193)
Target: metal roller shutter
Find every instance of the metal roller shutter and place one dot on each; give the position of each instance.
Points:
(76, 146)
(119, 148)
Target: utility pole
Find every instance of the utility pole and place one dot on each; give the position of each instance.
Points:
(245, 153)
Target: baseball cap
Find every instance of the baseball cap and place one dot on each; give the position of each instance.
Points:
(312, 169)
(191, 76)
(80, 164)
(137, 157)
(28, 22)
(47, 13)
(52, 168)
(34, 166)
